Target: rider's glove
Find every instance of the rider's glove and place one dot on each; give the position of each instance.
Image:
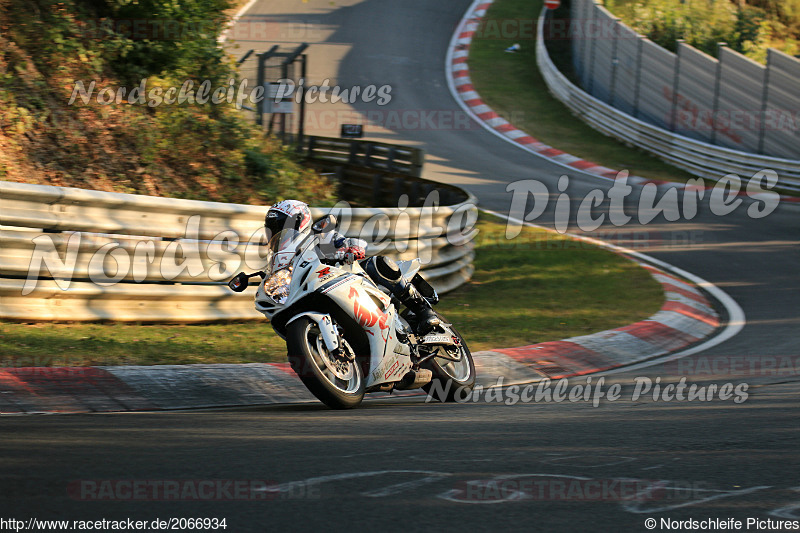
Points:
(358, 252)
(350, 254)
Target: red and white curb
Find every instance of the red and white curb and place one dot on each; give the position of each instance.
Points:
(685, 318)
(462, 88)
(145, 388)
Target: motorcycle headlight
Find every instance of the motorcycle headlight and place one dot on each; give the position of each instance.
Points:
(277, 285)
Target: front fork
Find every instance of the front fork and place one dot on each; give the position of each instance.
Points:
(330, 335)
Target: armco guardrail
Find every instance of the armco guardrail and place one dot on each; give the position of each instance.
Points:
(74, 254)
(703, 159)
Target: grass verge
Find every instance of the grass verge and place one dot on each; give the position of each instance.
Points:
(537, 287)
(510, 84)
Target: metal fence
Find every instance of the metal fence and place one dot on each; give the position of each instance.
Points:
(266, 69)
(732, 101)
(698, 157)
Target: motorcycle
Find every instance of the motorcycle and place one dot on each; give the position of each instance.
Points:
(346, 336)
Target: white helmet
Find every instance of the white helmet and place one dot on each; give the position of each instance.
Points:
(288, 214)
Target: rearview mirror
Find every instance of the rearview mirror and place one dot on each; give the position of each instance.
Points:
(325, 224)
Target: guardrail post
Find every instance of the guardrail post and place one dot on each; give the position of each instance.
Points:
(312, 144)
(390, 162)
(614, 62)
(427, 189)
(413, 194)
(399, 185)
(338, 175)
(675, 86)
(377, 183)
(715, 104)
(638, 82)
(764, 100)
(590, 74)
(368, 156)
(575, 13)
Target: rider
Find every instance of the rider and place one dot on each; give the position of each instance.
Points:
(293, 214)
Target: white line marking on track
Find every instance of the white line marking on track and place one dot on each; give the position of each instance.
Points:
(558, 461)
(637, 506)
(224, 36)
(287, 487)
(391, 490)
(379, 452)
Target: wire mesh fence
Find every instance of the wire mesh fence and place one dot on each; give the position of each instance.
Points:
(731, 101)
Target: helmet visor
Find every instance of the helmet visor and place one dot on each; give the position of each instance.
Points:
(283, 239)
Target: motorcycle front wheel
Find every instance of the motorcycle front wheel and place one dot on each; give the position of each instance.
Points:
(335, 379)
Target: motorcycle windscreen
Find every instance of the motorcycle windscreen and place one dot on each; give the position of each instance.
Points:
(283, 246)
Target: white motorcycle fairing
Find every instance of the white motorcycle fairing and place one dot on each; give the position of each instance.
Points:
(350, 289)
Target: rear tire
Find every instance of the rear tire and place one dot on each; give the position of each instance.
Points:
(334, 380)
(459, 374)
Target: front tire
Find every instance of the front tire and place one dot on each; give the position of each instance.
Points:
(452, 380)
(336, 380)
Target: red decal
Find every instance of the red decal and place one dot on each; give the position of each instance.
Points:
(324, 272)
(353, 293)
(392, 370)
(382, 321)
(367, 318)
(364, 316)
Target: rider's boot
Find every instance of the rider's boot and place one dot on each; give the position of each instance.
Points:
(413, 300)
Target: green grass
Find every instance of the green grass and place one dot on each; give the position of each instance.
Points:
(510, 84)
(536, 287)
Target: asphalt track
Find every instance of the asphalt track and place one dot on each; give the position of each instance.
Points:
(402, 464)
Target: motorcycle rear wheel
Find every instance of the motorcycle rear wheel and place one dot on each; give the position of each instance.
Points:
(336, 380)
(452, 380)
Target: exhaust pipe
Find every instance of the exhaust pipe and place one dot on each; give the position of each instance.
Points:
(415, 379)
